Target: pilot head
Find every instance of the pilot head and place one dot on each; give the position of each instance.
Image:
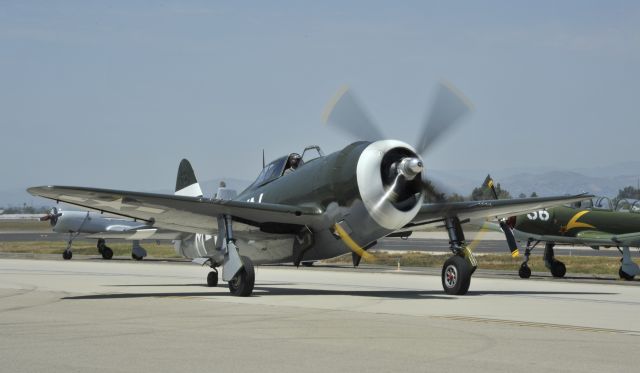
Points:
(294, 160)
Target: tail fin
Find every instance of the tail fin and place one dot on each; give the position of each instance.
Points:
(186, 183)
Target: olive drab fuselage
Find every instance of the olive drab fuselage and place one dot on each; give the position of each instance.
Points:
(568, 221)
(330, 184)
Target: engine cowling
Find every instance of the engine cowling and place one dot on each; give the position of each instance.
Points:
(389, 177)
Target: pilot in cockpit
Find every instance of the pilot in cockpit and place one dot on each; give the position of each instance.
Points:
(293, 163)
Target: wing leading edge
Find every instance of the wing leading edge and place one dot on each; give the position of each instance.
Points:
(489, 209)
(178, 213)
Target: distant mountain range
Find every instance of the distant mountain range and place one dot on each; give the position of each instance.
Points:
(601, 181)
(543, 184)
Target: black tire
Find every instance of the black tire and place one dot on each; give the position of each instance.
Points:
(624, 275)
(308, 264)
(456, 276)
(212, 279)
(241, 285)
(135, 257)
(107, 253)
(66, 255)
(524, 271)
(558, 269)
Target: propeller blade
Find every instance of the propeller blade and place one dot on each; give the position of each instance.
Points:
(351, 244)
(345, 112)
(449, 106)
(489, 183)
(504, 225)
(511, 240)
(479, 237)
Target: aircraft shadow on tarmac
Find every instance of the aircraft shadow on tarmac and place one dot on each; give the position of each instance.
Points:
(287, 291)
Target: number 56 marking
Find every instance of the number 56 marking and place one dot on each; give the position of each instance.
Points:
(540, 214)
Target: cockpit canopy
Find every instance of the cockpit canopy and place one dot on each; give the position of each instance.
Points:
(596, 203)
(278, 167)
(604, 203)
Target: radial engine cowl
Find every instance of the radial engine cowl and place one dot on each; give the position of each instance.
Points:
(389, 175)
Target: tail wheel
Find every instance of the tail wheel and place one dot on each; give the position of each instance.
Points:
(66, 255)
(212, 279)
(456, 276)
(558, 269)
(134, 256)
(241, 285)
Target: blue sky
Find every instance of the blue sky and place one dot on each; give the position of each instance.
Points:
(114, 94)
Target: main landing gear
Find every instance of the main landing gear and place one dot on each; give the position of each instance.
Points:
(458, 269)
(237, 270)
(104, 250)
(556, 267)
(628, 269)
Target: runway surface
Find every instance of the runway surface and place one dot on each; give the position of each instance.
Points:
(495, 243)
(121, 316)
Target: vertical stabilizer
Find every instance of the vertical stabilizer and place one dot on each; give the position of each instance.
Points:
(186, 183)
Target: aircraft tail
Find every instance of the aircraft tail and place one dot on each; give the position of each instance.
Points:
(186, 183)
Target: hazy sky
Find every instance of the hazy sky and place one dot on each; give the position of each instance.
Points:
(114, 94)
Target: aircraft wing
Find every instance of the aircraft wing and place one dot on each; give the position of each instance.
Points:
(140, 234)
(488, 209)
(178, 213)
(605, 238)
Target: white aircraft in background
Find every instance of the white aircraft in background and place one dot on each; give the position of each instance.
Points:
(101, 226)
(96, 224)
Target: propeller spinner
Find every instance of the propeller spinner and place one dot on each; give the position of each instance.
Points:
(52, 216)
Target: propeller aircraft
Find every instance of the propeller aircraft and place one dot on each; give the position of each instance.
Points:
(97, 225)
(330, 205)
(571, 224)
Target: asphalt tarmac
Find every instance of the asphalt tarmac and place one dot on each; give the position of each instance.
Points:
(434, 245)
(123, 316)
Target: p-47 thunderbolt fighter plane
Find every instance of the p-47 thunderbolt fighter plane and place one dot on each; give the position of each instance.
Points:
(325, 207)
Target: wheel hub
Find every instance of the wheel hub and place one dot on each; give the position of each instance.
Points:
(451, 276)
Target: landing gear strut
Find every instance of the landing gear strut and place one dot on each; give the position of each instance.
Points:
(525, 271)
(238, 271)
(457, 270)
(67, 254)
(556, 267)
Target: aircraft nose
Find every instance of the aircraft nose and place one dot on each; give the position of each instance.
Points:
(410, 167)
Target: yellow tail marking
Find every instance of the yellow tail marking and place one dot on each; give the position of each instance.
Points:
(515, 253)
(351, 244)
(490, 183)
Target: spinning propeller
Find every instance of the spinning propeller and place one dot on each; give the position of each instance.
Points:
(52, 216)
(347, 114)
(401, 170)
